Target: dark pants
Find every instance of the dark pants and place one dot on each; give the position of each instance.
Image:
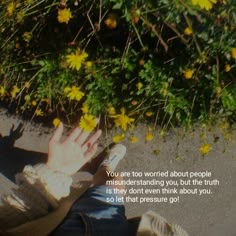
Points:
(92, 215)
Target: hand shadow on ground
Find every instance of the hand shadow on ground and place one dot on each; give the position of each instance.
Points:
(13, 159)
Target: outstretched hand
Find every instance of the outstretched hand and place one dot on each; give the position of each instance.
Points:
(71, 154)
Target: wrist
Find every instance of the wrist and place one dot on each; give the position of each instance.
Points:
(53, 167)
(56, 182)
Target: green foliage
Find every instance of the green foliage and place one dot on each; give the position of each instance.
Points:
(229, 98)
(171, 58)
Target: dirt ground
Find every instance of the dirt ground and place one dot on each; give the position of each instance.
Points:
(208, 215)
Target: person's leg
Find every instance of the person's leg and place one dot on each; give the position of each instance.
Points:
(93, 213)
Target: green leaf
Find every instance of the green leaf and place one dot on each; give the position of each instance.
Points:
(229, 97)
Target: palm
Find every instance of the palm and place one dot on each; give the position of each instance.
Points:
(70, 155)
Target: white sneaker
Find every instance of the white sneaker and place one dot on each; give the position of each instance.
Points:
(114, 155)
(158, 225)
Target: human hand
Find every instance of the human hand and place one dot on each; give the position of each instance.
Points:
(70, 155)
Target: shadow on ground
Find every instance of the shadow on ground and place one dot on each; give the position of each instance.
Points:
(13, 159)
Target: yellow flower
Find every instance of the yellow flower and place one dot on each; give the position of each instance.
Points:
(76, 59)
(34, 103)
(27, 98)
(139, 85)
(149, 113)
(204, 4)
(11, 8)
(88, 122)
(85, 108)
(111, 21)
(27, 36)
(39, 112)
(149, 137)
(20, 16)
(118, 138)
(2, 91)
(188, 31)
(141, 62)
(67, 90)
(205, 149)
(14, 91)
(227, 68)
(45, 100)
(233, 53)
(88, 64)
(111, 110)
(162, 133)
(64, 15)
(56, 122)
(188, 74)
(73, 93)
(122, 120)
(133, 139)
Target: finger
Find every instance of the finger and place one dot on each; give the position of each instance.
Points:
(12, 128)
(91, 152)
(91, 140)
(82, 137)
(74, 134)
(58, 133)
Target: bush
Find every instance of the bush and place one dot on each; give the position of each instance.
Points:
(169, 61)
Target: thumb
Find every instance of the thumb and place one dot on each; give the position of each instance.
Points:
(58, 133)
